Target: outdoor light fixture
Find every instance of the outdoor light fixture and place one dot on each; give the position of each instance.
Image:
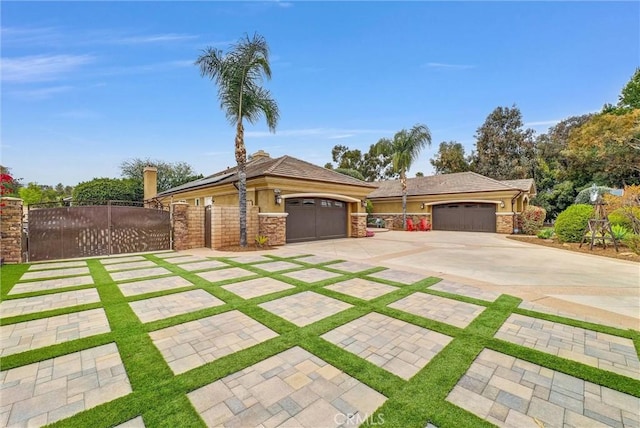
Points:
(363, 203)
(501, 204)
(422, 206)
(278, 196)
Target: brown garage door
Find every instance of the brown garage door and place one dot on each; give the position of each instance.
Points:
(310, 219)
(469, 217)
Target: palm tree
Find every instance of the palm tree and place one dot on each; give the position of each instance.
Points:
(404, 150)
(239, 74)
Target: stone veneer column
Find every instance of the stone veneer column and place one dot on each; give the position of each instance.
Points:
(273, 226)
(504, 223)
(358, 225)
(11, 230)
(180, 225)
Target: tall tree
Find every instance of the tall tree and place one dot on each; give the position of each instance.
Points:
(372, 165)
(504, 150)
(450, 158)
(169, 174)
(239, 75)
(403, 150)
(629, 97)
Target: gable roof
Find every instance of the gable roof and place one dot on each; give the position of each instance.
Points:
(284, 166)
(524, 184)
(460, 182)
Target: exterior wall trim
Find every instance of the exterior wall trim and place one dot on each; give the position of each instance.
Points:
(505, 213)
(273, 215)
(335, 196)
(400, 213)
(457, 201)
(359, 214)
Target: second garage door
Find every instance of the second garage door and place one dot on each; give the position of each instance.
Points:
(470, 217)
(311, 219)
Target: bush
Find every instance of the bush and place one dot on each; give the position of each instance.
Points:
(623, 216)
(619, 232)
(101, 190)
(533, 219)
(545, 233)
(633, 242)
(584, 196)
(572, 222)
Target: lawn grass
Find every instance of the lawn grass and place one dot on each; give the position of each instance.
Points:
(160, 398)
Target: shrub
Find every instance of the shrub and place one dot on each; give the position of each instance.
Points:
(619, 232)
(533, 219)
(545, 233)
(625, 216)
(101, 190)
(633, 242)
(572, 222)
(584, 196)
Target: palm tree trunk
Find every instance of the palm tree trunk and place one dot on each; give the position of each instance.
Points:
(241, 160)
(403, 181)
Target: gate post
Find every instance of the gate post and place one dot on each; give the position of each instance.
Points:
(180, 225)
(11, 230)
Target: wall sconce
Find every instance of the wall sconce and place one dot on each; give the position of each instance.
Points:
(501, 204)
(278, 196)
(422, 206)
(363, 203)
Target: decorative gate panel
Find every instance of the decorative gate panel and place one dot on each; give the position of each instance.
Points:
(85, 231)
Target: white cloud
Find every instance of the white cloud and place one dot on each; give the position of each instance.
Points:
(154, 38)
(543, 123)
(445, 66)
(41, 93)
(341, 136)
(328, 133)
(39, 68)
(29, 35)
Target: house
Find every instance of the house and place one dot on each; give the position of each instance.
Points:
(463, 201)
(288, 200)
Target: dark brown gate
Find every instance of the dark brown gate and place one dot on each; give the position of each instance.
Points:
(99, 230)
(207, 226)
(310, 219)
(466, 217)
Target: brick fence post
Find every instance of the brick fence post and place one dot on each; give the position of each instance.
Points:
(274, 227)
(180, 225)
(10, 230)
(358, 225)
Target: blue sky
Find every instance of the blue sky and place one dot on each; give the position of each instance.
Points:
(86, 85)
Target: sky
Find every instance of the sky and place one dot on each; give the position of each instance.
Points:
(88, 85)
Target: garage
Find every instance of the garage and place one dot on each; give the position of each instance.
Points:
(312, 219)
(466, 217)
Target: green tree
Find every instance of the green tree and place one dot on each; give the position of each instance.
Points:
(504, 150)
(239, 74)
(450, 158)
(403, 150)
(100, 190)
(31, 194)
(629, 97)
(372, 165)
(350, 172)
(169, 174)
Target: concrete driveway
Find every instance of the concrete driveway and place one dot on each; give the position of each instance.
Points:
(596, 288)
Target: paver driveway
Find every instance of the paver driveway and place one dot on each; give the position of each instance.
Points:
(294, 339)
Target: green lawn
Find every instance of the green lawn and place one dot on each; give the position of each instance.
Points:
(160, 396)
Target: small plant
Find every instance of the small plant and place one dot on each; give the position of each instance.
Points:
(619, 231)
(546, 233)
(572, 222)
(261, 240)
(533, 219)
(633, 242)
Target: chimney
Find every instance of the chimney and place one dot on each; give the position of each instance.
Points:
(260, 154)
(150, 182)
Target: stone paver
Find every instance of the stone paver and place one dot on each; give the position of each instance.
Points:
(153, 285)
(305, 308)
(139, 273)
(56, 265)
(607, 352)
(225, 274)
(362, 288)
(53, 273)
(396, 346)
(190, 345)
(158, 308)
(531, 306)
(350, 267)
(316, 260)
(311, 275)
(24, 336)
(29, 305)
(251, 258)
(510, 392)
(126, 259)
(465, 290)
(439, 308)
(187, 259)
(277, 266)
(291, 389)
(257, 287)
(51, 284)
(209, 264)
(130, 265)
(398, 276)
(133, 423)
(170, 255)
(47, 391)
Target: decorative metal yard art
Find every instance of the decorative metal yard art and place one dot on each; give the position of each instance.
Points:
(598, 228)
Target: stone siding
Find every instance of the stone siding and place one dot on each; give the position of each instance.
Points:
(394, 221)
(225, 229)
(358, 225)
(11, 230)
(274, 227)
(504, 224)
(180, 225)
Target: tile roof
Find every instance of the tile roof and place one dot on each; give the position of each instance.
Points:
(461, 182)
(523, 184)
(284, 166)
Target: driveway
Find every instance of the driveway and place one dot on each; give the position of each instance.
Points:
(607, 290)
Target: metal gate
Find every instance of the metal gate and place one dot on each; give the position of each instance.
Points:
(98, 230)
